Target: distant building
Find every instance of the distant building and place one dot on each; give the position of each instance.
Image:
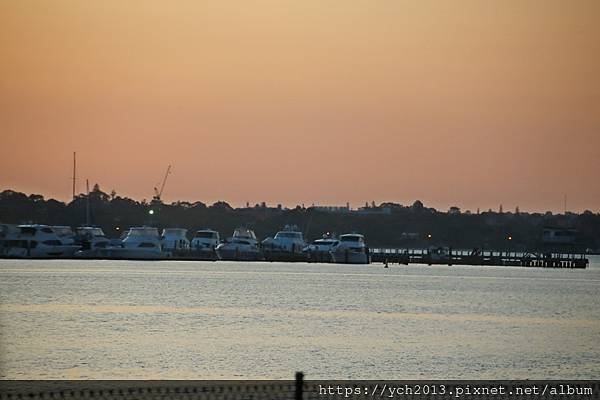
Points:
(367, 210)
(332, 209)
(373, 210)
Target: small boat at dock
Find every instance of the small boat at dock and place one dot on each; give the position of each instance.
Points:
(65, 234)
(242, 246)
(34, 241)
(91, 237)
(320, 249)
(351, 249)
(204, 245)
(287, 245)
(139, 243)
(175, 239)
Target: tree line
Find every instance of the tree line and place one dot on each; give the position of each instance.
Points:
(384, 225)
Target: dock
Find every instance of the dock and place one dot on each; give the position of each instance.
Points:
(482, 257)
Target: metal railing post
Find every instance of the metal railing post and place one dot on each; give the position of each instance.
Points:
(299, 385)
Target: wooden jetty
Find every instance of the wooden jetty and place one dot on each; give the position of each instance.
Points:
(445, 256)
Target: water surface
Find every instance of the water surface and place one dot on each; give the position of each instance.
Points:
(64, 319)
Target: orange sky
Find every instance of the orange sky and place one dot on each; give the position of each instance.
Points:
(468, 103)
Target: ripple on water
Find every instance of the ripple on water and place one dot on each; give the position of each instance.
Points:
(192, 320)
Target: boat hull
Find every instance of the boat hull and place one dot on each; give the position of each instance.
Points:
(122, 254)
(199, 255)
(239, 255)
(350, 257)
(286, 256)
(65, 251)
(319, 256)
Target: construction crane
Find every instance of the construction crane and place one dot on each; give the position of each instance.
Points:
(158, 193)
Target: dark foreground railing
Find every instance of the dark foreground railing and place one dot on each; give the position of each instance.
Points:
(296, 389)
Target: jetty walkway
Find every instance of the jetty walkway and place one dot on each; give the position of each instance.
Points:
(479, 257)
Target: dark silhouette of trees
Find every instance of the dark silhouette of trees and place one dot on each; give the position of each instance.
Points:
(403, 226)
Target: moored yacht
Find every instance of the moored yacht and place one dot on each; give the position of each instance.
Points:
(351, 249)
(242, 246)
(143, 242)
(139, 243)
(35, 241)
(91, 237)
(288, 240)
(320, 249)
(174, 239)
(205, 238)
(204, 244)
(287, 245)
(65, 233)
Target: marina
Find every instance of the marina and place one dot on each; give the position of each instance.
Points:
(364, 192)
(288, 245)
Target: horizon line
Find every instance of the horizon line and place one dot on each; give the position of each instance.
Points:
(367, 205)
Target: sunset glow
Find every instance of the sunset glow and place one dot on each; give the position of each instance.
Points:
(467, 103)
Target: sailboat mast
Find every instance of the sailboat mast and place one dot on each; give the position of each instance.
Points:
(87, 203)
(74, 172)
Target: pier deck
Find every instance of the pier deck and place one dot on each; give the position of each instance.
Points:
(485, 257)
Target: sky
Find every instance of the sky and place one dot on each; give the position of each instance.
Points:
(462, 103)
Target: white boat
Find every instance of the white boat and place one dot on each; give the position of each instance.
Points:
(35, 241)
(143, 242)
(174, 239)
(205, 239)
(204, 244)
(139, 243)
(91, 237)
(320, 249)
(288, 240)
(325, 244)
(65, 233)
(351, 249)
(242, 246)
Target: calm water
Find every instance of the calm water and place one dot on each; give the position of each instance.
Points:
(112, 319)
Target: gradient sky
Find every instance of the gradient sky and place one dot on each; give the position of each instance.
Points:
(467, 103)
